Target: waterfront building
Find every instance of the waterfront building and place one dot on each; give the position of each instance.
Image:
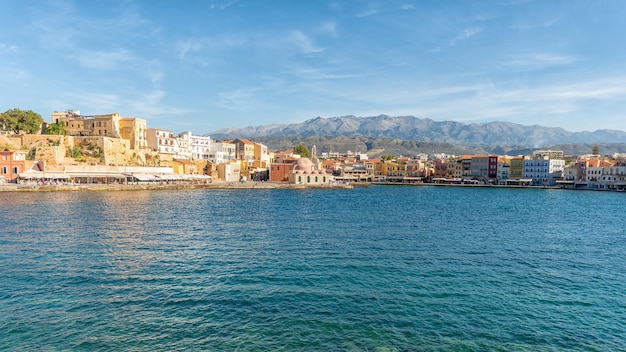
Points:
(161, 141)
(613, 177)
(197, 147)
(594, 170)
(353, 172)
(581, 169)
(390, 171)
(455, 169)
(441, 168)
(12, 164)
(504, 169)
(415, 168)
(304, 172)
(543, 171)
(466, 165)
(517, 168)
(166, 143)
(280, 171)
(569, 172)
(184, 146)
(484, 167)
(262, 157)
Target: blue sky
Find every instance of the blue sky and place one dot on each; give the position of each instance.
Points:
(204, 65)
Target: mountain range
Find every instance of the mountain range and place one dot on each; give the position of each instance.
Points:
(474, 136)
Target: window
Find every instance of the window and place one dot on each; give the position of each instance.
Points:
(4, 170)
(4, 156)
(15, 170)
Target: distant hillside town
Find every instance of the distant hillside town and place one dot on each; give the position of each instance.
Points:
(73, 148)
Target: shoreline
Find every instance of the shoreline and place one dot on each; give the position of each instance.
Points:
(12, 187)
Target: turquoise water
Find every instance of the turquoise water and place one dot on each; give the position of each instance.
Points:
(368, 269)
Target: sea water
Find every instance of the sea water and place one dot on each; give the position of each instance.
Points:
(381, 268)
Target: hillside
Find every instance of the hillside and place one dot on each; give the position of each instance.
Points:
(379, 146)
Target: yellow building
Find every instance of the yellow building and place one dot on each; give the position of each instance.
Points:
(134, 130)
(110, 125)
(517, 168)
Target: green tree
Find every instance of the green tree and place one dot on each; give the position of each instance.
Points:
(56, 129)
(18, 121)
(388, 157)
(595, 150)
(302, 150)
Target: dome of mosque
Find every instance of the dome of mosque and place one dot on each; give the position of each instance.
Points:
(303, 164)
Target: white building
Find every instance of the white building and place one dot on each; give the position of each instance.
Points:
(613, 177)
(184, 146)
(504, 170)
(199, 146)
(162, 141)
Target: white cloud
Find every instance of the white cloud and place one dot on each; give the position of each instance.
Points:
(329, 27)
(243, 99)
(104, 60)
(189, 45)
(7, 49)
(366, 13)
(533, 61)
(304, 43)
(464, 35)
(538, 24)
(223, 5)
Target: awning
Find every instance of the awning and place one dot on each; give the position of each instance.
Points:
(169, 177)
(145, 177)
(29, 175)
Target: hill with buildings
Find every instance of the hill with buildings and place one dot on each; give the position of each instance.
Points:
(410, 128)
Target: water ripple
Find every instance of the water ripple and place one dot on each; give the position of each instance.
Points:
(374, 269)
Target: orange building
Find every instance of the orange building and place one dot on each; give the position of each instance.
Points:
(12, 164)
(279, 172)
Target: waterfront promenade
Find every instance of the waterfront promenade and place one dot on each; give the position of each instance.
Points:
(12, 187)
